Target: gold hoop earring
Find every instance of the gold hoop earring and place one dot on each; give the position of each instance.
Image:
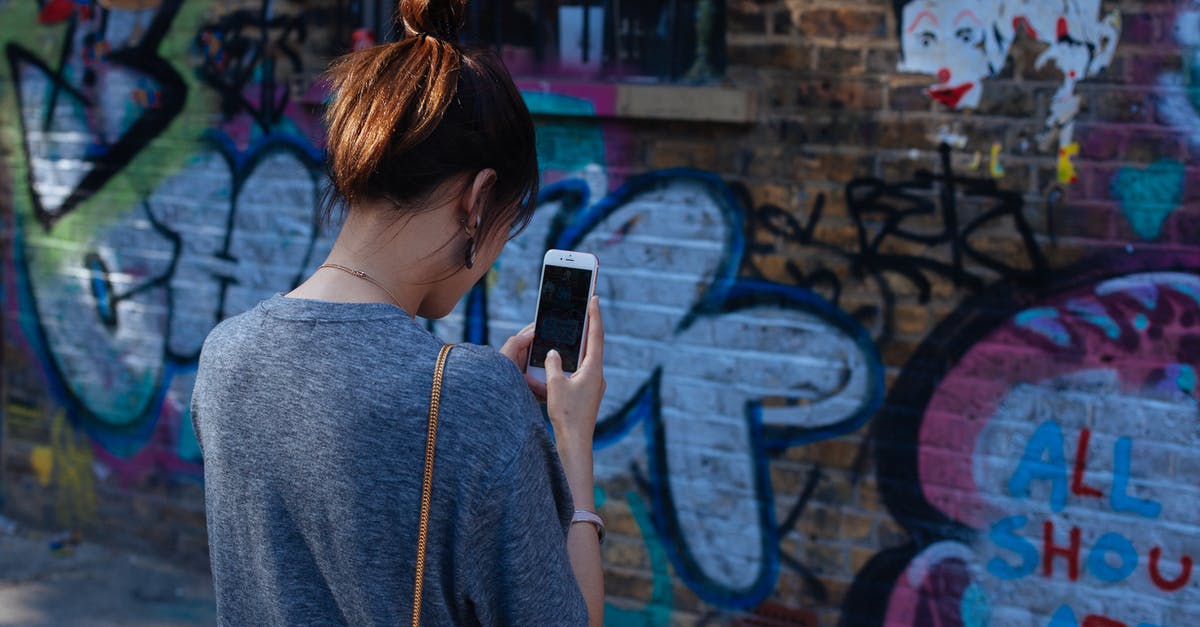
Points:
(470, 247)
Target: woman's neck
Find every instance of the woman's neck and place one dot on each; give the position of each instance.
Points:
(401, 255)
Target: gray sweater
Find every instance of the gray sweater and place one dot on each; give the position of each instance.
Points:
(311, 416)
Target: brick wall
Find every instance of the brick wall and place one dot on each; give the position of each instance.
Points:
(906, 335)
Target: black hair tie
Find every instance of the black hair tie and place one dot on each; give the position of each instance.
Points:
(450, 39)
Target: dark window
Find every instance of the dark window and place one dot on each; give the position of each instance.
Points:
(658, 40)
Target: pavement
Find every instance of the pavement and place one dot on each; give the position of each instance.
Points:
(51, 580)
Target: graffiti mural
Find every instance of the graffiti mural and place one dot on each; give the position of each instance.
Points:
(963, 42)
(228, 230)
(86, 113)
(708, 373)
(1040, 449)
(116, 292)
(242, 49)
(912, 232)
(713, 372)
(253, 60)
(1036, 453)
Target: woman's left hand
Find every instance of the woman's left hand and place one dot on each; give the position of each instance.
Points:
(517, 350)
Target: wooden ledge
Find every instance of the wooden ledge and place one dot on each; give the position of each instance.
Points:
(694, 103)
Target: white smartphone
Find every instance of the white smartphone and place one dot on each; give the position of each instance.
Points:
(561, 322)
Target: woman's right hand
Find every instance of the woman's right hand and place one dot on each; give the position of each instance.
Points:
(573, 401)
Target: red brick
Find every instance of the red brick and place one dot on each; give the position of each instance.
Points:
(838, 23)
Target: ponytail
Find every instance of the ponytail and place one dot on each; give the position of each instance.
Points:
(441, 19)
(406, 116)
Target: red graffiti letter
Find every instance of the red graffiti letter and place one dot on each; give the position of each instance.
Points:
(1081, 451)
(1091, 620)
(1169, 585)
(1049, 550)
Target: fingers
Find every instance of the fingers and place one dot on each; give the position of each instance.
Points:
(516, 348)
(537, 387)
(509, 348)
(521, 340)
(595, 339)
(553, 365)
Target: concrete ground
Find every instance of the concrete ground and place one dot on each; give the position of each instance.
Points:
(88, 584)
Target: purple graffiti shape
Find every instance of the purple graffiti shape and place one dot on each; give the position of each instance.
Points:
(1046, 440)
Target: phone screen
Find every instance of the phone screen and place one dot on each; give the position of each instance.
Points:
(562, 309)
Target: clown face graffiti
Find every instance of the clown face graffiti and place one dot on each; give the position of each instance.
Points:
(946, 39)
(961, 42)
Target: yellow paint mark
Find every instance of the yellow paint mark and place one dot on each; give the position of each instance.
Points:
(76, 494)
(994, 166)
(22, 411)
(42, 460)
(1066, 163)
(23, 415)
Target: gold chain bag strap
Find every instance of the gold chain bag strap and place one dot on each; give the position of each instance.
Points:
(435, 399)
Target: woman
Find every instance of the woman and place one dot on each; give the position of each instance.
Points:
(311, 408)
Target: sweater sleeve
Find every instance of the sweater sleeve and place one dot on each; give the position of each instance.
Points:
(520, 570)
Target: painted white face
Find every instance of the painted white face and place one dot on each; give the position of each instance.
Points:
(1187, 32)
(944, 38)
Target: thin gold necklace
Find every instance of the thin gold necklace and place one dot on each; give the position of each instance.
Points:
(364, 276)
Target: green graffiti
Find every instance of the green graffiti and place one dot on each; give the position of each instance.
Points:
(557, 104)
(1148, 195)
(656, 613)
(1186, 379)
(567, 144)
(122, 194)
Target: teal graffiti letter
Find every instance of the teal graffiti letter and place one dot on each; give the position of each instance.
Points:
(1047, 442)
(1001, 534)
(1121, 501)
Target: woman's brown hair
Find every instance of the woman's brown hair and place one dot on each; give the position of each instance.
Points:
(409, 115)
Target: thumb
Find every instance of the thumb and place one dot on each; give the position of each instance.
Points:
(553, 364)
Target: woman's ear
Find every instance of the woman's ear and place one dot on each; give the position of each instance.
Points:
(477, 196)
